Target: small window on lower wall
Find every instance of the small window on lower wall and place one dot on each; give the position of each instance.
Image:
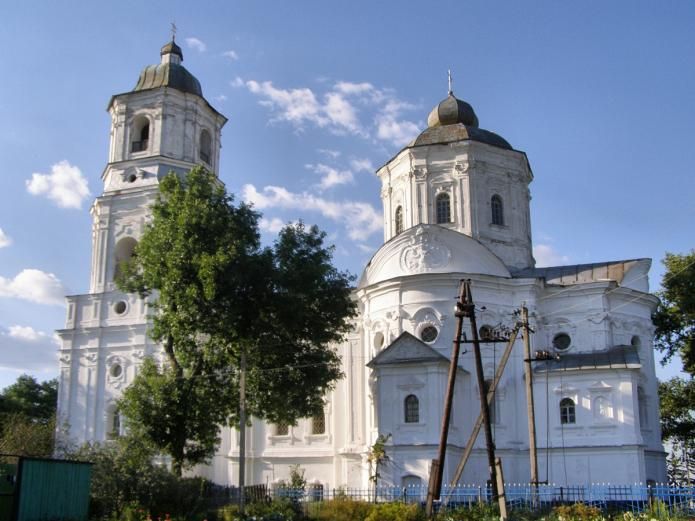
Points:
(412, 409)
(318, 424)
(567, 411)
(282, 429)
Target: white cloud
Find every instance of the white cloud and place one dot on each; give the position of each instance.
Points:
(273, 225)
(547, 256)
(65, 185)
(334, 154)
(5, 240)
(337, 110)
(359, 165)
(35, 286)
(221, 97)
(237, 82)
(365, 248)
(26, 350)
(232, 55)
(195, 43)
(330, 176)
(26, 333)
(360, 219)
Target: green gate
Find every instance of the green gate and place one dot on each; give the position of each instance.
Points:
(46, 489)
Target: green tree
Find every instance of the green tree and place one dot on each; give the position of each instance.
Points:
(677, 410)
(675, 316)
(23, 436)
(218, 295)
(34, 400)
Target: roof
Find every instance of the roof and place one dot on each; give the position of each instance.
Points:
(617, 357)
(406, 349)
(458, 132)
(170, 75)
(630, 273)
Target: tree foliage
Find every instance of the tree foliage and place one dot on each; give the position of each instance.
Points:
(27, 417)
(34, 400)
(216, 294)
(677, 411)
(675, 317)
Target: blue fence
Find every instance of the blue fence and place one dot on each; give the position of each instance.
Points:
(633, 498)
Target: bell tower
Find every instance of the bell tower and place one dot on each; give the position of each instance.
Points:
(164, 124)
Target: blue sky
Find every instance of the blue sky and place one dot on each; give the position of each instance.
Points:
(318, 94)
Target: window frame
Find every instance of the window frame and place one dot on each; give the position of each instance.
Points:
(398, 221)
(497, 210)
(411, 409)
(568, 411)
(443, 208)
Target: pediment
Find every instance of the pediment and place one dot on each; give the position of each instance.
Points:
(406, 349)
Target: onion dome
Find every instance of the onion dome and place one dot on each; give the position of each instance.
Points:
(454, 120)
(450, 111)
(169, 73)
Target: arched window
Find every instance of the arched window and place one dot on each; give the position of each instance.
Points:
(124, 251)
(497, 210)
(412, 409)
(567, 411)
(443, 208)
(205, 146)
(399, 219)
(141, 134)
(113, 424)
(318, 424)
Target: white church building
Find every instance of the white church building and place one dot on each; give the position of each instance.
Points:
(455, 205)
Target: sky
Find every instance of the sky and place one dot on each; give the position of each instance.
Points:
(319, 94)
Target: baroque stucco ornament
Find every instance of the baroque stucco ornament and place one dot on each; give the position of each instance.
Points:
(424, 253)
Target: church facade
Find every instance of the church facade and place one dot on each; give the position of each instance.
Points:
(456, 205)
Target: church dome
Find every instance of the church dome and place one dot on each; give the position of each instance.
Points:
(169, 73)
(451, 111)
(428, 248)
(454, 120)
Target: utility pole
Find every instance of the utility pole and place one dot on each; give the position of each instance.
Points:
(528, 373)
(242, 432)
(435, 484)
(490, 397)
(469, 311)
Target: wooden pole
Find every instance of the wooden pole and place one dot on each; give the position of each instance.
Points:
(242, 433)
(501, 499)
(469, 310)
(528, 373)
(490, 397)
(438, 470)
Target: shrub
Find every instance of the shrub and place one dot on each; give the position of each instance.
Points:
(577, 512)
(276, 510)
(340, 509)
(396, 512)
(476, 512)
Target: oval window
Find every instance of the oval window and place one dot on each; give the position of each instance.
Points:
(116, 370)
(120, 307)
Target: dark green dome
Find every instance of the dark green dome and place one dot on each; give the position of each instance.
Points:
(170, 73)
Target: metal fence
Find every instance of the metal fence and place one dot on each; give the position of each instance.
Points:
(607, 497)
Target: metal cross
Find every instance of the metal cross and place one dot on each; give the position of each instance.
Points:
(173, 31)
(450, 91)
